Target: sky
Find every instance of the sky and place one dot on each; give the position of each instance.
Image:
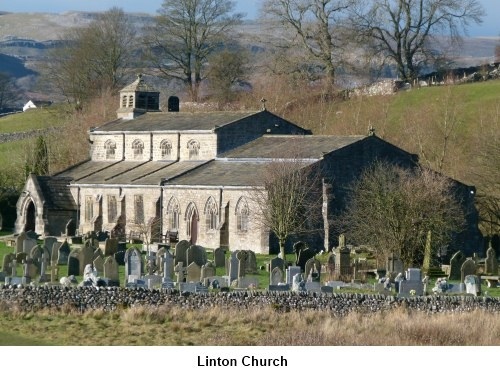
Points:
(490, 26)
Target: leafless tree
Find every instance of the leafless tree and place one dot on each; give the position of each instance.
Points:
(314, 24)
(184, 35)
(402, 30)
(393, 209)
(290, 198)
(93, 59)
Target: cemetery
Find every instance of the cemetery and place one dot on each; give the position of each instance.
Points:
(96, 272)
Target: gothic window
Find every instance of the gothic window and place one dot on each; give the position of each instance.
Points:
(89, 208)
(138, 209)
(131, 101)
(194, 149)
(173, 211)
(137, 147)
(191, 217)
(112, 209)
(211, 214)
(110, 148)
(242, 215)
(166, 149)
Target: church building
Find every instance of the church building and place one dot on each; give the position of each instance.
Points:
(191, 174)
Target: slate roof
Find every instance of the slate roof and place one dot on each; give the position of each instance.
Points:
(174, 121)
(272, 146)
(56, 192)
(139, 85)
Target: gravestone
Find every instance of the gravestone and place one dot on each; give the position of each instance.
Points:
(86, 256)
(180, 273)
(181, 252)
(290, 273)
(99, 264)
(248, 282)
(207, 271)
(277, 262)
(330, 266)
(412, 283)
(29, 269)
(133, 264)
(63, 254)
(32, 234)
(49, 242)
(456, 262)
(167, 264)
(242, 262)
(159, 255)
(7, 263)
(55, 254)
(110, 270)
(74, 263)
(312, 270)
(110, 246)
(414, 274)
(20, 241)
(197, 254)
(276, 276)
(232, 266)
(491, 262)
(193, 273)
(220, 257)
(36, 255)
(28, 245)
(472, 285)
(343, 260)
(468, 268)
(394, 265)
(251, 263)
(304, 255)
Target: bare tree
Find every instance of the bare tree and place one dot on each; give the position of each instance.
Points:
(403, 30)
(94, 58)
(184, 35)
(290, 198)
(314, 24)
(393, 209)
(227, 68)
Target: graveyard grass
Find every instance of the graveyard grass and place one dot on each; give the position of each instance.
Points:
(174, 326)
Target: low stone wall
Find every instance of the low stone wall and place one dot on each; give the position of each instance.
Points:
(111, 298)
(17, 136)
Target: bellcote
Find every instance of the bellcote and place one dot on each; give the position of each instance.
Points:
(137, 99)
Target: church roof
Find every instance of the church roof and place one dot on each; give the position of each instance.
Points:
(174, 121)
(55, 192)
(139, 85)
(277, 146)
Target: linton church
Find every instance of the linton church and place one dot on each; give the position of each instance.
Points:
(191, 174)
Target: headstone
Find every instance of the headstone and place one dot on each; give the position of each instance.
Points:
(29, 269)
(20, 242)
(413, 274)
(110, 246)
(167, 262)
(99, 264)
(343, 259)
(180, 272)
(472, 285)
(491, 262)
(277, 262)
(197, 254)
(7, 263)
(63, 254)
(28, 245)
(232, 266)
(251, 263)
(468, 268)
(55, 251)
(394, 265)
(331, 266)
(276, 276)
(110, 269)
(207, 271)
(49, 242)
(304, 255)
(32, 234)
(312, 270)
(181, 252)
(133, 264)
(220, 257)
(36, 255)
(242, 263)
(86, 256)
(456, 262)
(74, 263)
(290, 273)
(248, 282)
(193, 273)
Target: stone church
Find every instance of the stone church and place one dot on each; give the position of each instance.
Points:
(191, 174)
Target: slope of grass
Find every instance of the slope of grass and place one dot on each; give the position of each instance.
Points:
(37, 118)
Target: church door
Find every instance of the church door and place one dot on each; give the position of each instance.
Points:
(30, 217)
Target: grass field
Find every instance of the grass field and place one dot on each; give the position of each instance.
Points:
(37, 118)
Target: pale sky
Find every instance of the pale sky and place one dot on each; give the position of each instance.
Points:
(490, 26)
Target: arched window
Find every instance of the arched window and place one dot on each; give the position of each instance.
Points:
(110, 147)
(166, 149)
(137, 147)
(191, 222)
(242, 215)
(124, 101)
(138, 209)
(112, 209)
(211, 214)
(131, 101)
(173, 211)
(194, 149)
